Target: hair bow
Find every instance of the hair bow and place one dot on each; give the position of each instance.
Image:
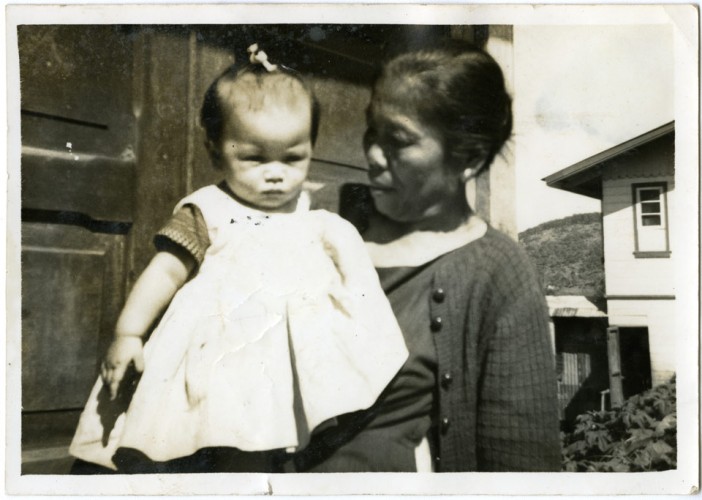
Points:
(257, 56)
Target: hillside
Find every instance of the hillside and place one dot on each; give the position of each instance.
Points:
(568, 255)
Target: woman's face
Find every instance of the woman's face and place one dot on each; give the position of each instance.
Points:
(409, 175)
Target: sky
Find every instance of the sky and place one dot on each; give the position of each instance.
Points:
(579, 90)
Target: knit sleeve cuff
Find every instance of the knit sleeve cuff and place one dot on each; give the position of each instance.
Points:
(186, 229)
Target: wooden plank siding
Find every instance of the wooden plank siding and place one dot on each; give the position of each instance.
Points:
(641, 290)
(77, 175)
(625, 274)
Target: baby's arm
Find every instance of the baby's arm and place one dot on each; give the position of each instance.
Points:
(152, 292)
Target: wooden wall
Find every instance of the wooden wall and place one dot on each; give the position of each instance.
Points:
(640, 291)
(77, 180)
(660, 319)
(111, 142)
(625, 274)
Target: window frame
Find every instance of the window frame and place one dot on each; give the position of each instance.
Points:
(638, 218)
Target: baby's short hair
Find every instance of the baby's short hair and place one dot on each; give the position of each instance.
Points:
(250, 86)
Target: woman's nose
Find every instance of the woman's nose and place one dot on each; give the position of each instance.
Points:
(377, 163)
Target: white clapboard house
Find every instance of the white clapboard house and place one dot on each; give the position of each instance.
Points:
(635, 181)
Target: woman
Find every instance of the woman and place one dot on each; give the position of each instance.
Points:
(478, 392)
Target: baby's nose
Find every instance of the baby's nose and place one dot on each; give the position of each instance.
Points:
(273, 173)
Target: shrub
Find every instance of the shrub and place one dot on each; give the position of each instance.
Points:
(568, 254)
(640, 436)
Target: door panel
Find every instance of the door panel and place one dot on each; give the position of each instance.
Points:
(76, 87)
(78, 177)
(69, 303)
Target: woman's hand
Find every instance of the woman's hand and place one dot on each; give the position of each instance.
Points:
(123, 351)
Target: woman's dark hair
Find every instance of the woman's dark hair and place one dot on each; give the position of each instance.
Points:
(216, 107)
(459, 89)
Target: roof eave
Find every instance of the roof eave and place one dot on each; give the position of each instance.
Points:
(583, 177)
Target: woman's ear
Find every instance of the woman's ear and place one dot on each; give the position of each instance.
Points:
(468, 174)
(473, 168)
(468, 163)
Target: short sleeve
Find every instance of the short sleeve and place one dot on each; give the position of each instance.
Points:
(186, 229)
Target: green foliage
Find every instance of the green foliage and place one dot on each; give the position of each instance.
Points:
(640, 436)
(568, 253)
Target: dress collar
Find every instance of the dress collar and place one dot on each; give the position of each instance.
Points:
(420, 247)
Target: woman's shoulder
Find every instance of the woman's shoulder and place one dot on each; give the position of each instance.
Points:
(496, 246)
(493, 267)
(493, 255)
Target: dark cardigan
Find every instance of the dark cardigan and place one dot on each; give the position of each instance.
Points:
(496, 377)
(497, 399)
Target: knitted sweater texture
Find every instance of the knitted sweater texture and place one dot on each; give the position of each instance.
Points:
(497, 404)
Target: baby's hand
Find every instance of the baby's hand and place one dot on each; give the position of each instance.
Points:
(122, 351)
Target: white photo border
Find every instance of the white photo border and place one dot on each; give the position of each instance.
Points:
(682, 19)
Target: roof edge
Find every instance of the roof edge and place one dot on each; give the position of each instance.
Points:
(608, 154)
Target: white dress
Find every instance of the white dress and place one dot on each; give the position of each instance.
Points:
(283, 328)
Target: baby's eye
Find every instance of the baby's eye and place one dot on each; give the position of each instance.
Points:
(294, 158)
(252, 159)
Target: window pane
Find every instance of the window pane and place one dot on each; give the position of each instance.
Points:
(651, 220)
(651, 208)
(649, 194)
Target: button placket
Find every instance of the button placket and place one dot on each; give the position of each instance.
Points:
(445, 424)
(437, 296)
(446, 380)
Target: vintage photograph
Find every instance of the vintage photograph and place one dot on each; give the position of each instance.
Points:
(329, 244)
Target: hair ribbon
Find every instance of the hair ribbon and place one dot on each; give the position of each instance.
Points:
(257, 56)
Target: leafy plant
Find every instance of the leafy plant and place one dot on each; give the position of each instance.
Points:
(640, 436)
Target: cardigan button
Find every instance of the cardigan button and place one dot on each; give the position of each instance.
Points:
(446, 380)
(439, 295)
(436, 324)
(445, 424)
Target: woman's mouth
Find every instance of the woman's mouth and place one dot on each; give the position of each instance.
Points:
(381, 187)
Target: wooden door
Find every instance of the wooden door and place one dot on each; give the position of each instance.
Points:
(77, 189)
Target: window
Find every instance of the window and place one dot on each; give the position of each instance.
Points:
(651, 220)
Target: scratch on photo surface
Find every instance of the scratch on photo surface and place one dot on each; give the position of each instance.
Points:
(270, 487)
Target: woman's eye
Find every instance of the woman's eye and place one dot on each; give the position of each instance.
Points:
(401, 140)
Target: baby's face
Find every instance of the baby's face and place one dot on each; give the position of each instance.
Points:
(266, 154)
